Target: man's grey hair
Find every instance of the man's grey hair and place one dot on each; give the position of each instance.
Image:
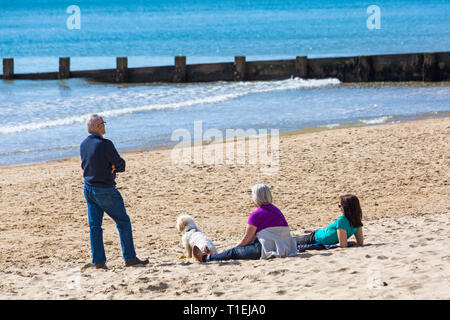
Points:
(261, 194)
(92, 123)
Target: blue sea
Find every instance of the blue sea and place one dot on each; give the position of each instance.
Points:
(44, 120)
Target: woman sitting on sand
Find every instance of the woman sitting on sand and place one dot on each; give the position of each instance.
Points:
(343, 228)
(267, 234)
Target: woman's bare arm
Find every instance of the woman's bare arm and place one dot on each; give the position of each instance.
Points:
(342, 236)
(248, 237)
(359, 237)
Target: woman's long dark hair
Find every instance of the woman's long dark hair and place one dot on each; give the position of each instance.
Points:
(352, 210)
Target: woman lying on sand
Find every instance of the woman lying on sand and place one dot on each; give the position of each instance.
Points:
(267, 233)
(343, 228)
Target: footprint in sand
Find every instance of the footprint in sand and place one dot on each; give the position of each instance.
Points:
(162, 286)
(275, 272)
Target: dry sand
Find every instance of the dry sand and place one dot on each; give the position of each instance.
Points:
(399, 171)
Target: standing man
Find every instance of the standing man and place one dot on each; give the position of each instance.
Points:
(100, 161)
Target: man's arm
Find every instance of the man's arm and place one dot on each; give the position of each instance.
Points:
(114, 158)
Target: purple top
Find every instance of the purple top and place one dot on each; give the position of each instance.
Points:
(267, 216)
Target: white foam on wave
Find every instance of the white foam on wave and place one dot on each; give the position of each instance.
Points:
(332, 125)
(379, 120)
(25, 151)
(236, 90)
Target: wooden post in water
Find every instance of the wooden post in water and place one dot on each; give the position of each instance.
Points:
(301, 67)
(180, 69)
(8, 68)
(430, 67)
(64, 68)
(364, 70)
(239, 68)
(121, 69)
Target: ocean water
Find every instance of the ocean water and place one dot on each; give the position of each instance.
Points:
(44, 120)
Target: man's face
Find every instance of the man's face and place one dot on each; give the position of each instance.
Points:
(101, 128)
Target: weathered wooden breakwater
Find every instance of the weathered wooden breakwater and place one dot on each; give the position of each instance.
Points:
(393, 67)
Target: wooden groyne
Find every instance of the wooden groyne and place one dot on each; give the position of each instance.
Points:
(392, 67)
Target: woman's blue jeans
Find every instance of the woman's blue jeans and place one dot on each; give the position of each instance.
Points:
(251, 251)
(109, 200)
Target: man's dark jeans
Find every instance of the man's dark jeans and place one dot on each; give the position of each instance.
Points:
(109, 200)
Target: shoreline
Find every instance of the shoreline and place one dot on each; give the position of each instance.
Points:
(355, 124)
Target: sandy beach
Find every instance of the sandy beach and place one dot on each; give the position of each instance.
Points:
(400, 172)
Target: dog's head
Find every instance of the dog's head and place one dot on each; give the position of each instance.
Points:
(184, 221)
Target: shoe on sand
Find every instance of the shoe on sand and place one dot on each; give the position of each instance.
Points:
(198, 254)
(100, 266)
(135, 262)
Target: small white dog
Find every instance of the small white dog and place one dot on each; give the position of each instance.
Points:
(193, 236)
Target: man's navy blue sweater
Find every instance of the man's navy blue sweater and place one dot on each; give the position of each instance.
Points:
(97, 157)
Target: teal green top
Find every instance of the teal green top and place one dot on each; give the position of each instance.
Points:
(329, 235)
